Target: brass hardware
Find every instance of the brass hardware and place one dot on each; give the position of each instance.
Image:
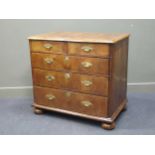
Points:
(66, 61)
(86, 103)
(66, 58)
(68, 94)
(86, 83)
(48, 46)
(67, 75)
(86, 64)
(50, 77)
(87, 49)
(48, 60)
(50, 97)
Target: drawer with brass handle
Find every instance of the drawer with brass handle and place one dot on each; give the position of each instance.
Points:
(89, 49)
(70, 63)
(48, 47)
(81, 103)
(72, 81)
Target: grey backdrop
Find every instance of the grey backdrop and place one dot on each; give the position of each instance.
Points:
(14, 51)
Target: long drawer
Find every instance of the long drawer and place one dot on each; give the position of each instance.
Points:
(72, 63)
(76, 82)
(67, 100)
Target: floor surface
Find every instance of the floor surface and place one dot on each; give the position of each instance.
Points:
(17, 118)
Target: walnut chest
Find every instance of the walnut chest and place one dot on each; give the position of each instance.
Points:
(81, 74)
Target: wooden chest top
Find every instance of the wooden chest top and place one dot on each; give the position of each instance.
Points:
(81, 37)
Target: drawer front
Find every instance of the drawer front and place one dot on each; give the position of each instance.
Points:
(66, 100)
(72, 63)
(48, 47)
(72, 81)
(88, 49)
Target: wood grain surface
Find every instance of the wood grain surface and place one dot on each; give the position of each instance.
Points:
(40, 46)
(99, 84)
(70, 63)
(97, 50)
(72, 102)
(81, 37)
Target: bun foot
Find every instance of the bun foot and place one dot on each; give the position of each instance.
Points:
(38, 111)
(108, 126)
(124, 108)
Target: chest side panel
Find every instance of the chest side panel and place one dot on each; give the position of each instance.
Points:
(118, 71)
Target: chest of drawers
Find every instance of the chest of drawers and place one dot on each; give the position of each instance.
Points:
(81, 74)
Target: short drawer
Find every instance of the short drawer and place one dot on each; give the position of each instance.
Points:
(89, 49)
(67, 100)
(72, 81)
(72, 63)
(48, 47)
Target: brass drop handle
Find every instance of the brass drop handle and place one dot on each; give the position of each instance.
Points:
(50, 97)
(86, 103)
(87, 49)
(50, 77)
(67, 76)
(48, 60)
(87, 83)
(86, 64)
(48, 46)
